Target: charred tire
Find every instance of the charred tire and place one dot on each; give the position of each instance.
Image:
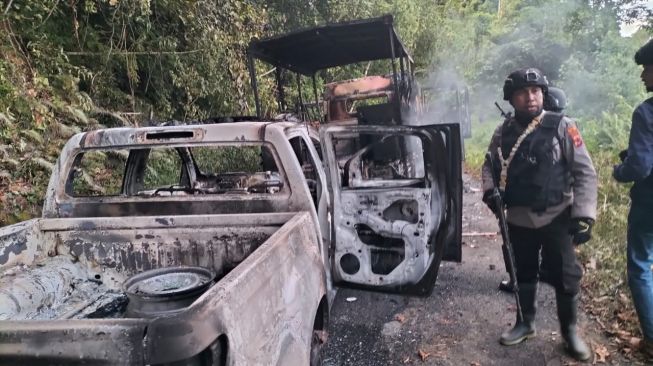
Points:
(214, 355)
(319, 334)
(317, 345)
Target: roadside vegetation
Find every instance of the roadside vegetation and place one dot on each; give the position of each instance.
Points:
(70, 66)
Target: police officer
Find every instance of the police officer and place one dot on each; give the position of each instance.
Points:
(555, 100)
(550, 191)
(637, 167)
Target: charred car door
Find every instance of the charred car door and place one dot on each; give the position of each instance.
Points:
(396, 196)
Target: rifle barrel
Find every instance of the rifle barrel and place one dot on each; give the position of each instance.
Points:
(505, 235)
(503, 113)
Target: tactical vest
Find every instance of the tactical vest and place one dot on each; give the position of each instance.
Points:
(534, 179)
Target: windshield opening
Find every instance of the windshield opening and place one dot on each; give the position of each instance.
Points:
(175, 171)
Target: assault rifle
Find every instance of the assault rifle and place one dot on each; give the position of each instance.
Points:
(506, 247)
(503, 114)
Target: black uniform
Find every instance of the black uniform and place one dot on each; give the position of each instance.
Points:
(550, 192)
(550, 180)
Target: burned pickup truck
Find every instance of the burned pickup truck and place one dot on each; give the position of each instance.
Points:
(224, 243)
(220, 244)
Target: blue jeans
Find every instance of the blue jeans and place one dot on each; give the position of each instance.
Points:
(640, 259)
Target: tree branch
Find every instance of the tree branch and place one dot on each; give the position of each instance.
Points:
(134, 53)
(8, 7)
(268, 72)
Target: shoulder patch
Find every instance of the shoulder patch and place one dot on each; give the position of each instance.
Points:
(575, 136)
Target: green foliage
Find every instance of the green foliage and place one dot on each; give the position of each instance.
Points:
(476, 146)
(99, 173)
(228, 159)
(163, 169)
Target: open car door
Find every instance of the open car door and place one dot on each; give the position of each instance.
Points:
(396, 196)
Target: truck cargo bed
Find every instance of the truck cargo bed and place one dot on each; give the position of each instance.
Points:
(80, 265)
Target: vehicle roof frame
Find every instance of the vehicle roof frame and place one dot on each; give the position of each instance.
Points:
(377, 40)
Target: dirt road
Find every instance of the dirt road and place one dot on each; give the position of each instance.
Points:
(459, 324)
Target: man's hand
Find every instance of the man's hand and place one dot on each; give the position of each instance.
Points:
(490, 202)
(623, 154)
(581, 229)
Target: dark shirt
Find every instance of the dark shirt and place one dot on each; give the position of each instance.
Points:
(638, 164)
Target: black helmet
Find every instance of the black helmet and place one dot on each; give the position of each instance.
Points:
(555, 100)
(644, 55)
(522, 78)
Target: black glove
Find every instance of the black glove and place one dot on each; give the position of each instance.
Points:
(623, 154)
(490, 202)
(581, 229)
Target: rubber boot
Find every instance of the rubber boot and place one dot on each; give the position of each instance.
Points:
(526, 328)
(568, 316)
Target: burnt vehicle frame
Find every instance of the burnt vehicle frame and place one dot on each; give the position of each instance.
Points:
(146, 232)
(78, 231)
(391, 234)
(308, 51)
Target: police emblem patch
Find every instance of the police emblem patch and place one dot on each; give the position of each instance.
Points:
(575, 136)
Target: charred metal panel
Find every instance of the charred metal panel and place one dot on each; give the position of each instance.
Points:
(367, 208)
(406, 210)
(265, 307)
(114, 255)
(72, 342)
(136, 206)
(159, 222)
(388, 228)
(308, 50)
(362, 88)
(59, 204)
(95, 257)
(38, 293)
(19, 244)
(279, 287)
(339, 93)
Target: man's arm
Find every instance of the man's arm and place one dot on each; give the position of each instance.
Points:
(585, 181)
(638, 163)
(486, 170)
